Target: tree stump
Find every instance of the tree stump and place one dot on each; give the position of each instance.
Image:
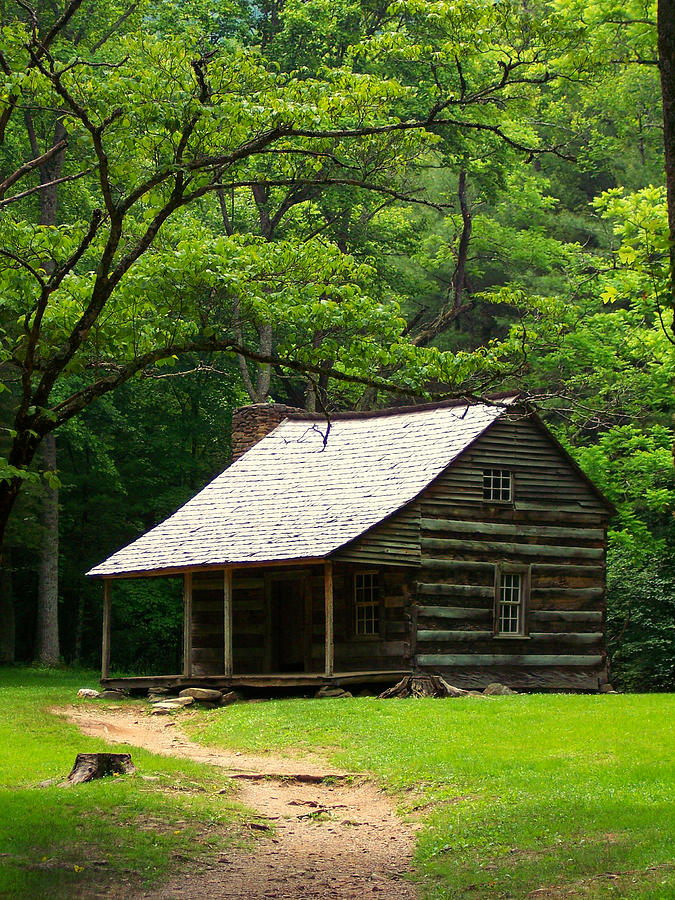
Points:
(422, 686)
(97, 765)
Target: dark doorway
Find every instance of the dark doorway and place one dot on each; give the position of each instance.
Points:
(288, 617)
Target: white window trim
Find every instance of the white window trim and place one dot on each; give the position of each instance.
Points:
(493, 500)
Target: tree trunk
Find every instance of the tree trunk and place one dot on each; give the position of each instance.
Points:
(47, 650)
(666, 51)
(459, 278)
(7, 621)
(97, 765)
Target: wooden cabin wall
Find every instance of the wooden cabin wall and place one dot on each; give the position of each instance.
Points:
(248, 615)
(556, 525)
(391, 650)
(395, 542)
(255, 634)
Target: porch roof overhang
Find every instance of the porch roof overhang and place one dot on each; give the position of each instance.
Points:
(307, 489)
(168, 571)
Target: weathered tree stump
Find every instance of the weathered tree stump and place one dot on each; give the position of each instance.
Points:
(422, 686)
(97, 765)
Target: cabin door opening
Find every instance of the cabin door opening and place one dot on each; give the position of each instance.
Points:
(287, 599)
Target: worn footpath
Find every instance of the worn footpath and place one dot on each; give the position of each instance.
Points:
(338, 838)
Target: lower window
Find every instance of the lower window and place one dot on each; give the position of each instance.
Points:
(511, 596)
(366, 603)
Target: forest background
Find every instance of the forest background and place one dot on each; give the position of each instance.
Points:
(333, 204)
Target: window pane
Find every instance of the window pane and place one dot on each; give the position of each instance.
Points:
(497, 484)
(367, 604)
(510, 603)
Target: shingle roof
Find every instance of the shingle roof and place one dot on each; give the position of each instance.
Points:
(291, 498)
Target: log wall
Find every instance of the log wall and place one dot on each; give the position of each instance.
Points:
(256, 631)
(249, 622)
(391, 649)
(556, 526)
(436, 561)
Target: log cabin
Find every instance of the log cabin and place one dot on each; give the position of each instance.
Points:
(455, 538)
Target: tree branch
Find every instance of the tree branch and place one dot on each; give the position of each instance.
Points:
(30, 165)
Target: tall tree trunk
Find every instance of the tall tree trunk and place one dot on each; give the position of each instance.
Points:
(7, 621)
(47, 649)
(666, 51)
(459, 278)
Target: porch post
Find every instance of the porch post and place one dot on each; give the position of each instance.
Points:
(227, 621)
(328, 597)
(105, 649)
(187, 624)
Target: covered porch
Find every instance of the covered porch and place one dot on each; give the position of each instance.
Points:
(277, 627)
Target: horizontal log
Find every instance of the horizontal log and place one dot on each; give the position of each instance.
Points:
(542, 679)
(471, 510)
(588, 506)
(493, 659)
(471, 565)
(567, 639)
(499, 547)
(454, 612)
(447, 564)
(566, 615)
(365, 649)
(572, 639)
(569, 570)
(469, 527)
(241, 582)
(208, 581)
(458, 590)
(216, 605)
(592, 593)
(439, 635)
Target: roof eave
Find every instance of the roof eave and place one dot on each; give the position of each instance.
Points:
(209, 567)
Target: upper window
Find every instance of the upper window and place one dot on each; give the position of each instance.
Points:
(511, 596)
(366, 603)
(497, 485)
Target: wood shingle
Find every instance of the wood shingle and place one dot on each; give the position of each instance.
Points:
(298, 494)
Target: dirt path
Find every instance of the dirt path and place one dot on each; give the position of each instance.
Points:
(332, 840)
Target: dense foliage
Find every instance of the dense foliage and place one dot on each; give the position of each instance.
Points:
(314, 202)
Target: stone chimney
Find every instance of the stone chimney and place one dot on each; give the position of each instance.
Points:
(251, 423)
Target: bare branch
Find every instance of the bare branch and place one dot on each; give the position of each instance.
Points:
(115, 27)
(43, 186)
(30, 165)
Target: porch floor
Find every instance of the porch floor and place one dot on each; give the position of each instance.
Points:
(258, 681)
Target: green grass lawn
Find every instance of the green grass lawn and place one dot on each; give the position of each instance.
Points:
(541, 796)
(127, 831)
(524, 796)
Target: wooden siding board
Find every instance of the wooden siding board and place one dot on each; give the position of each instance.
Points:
(395, 541)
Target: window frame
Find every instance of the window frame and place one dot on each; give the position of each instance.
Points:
(376, 603)
(493, 500)
(524, 571)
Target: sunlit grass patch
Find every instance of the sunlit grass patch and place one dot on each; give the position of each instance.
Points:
(519, 796)
(128, 831)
